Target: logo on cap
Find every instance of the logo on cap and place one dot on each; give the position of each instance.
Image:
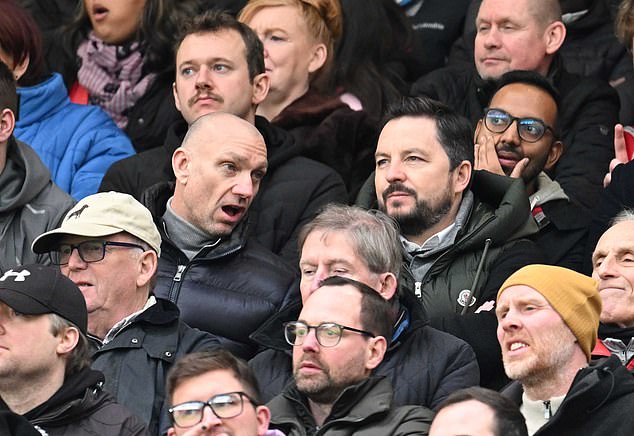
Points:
(19, 276)
(77, 213)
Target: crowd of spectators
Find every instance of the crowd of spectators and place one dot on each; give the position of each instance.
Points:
(316, 217)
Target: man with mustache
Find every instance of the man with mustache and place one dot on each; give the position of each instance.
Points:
(220, 68)
(518, 137)
(462, 231)
(339, 338)
(548, 318)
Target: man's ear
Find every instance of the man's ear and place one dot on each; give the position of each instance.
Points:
(375, 352)
(554, 154)
(68, 340)
(261, 85)
(176, 101)
(263, 415)
(181, 164)
(318, 58)
(7, 124)
(148, 262)
(462, 176)
(388, 285)
(554, 36)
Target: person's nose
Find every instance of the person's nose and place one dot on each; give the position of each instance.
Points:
(311, 344)
(491, 38)
(245, 187)
(607, 268)
(75, 262)
(511, 135)
(203, 78)
(209, 419)
(395, 172)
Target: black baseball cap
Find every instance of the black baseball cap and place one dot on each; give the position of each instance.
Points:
(39, 289)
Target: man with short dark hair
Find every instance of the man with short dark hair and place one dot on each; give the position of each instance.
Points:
(45, 370)
(30, 203)
(220, 68)
(548, 318)
(108, 246)
(226, 385)
(462, 231)
(478, 411)
(527, 35)
(423, 364)
(337, 342)
(518, 137)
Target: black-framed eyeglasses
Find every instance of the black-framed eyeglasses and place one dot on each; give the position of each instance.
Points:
(224, 406)
(529, 129)
(89, 251)
(328, 333)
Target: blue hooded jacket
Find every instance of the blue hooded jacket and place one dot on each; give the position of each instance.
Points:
(77, 143)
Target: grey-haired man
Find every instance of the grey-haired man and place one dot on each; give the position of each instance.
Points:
(108, 246)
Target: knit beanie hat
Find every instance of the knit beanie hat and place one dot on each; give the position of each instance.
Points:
(574, 297)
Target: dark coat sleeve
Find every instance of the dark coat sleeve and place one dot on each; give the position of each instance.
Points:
(590, 111)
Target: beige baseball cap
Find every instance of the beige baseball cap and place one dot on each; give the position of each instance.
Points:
(104, 214)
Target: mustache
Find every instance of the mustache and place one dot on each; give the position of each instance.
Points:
(505, 148)
(397, 187)
(204, 94)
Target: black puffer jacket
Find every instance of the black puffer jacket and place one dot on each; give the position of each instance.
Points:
(135, 362)
(81, 407)
(424, 365)
(589, 108)
(228, 289)
(292, 192)
(599, 402)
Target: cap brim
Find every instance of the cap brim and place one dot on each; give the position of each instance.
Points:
(47, 241)
(22, 303)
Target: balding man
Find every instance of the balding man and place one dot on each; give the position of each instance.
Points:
(527, 35)
(548, 318)
(612, 268)
(221, 283)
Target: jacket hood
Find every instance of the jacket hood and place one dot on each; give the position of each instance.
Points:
(41, 101)
(311, 108)
(547, 190)
(23, 177)
(502, 204)
(78, 397)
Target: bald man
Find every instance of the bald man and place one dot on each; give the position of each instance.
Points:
(221, 283)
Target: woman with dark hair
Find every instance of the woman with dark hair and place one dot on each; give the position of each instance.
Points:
(371, 60)
(76, 143)
(123, 60)
(299, 37)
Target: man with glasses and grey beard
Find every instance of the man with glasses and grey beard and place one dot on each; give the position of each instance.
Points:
(108, 246)
(518, 137)
(338, 340)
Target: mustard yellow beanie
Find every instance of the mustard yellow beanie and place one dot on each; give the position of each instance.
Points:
(574, 296)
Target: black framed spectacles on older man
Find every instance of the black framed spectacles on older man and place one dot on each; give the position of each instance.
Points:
(89, 251)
